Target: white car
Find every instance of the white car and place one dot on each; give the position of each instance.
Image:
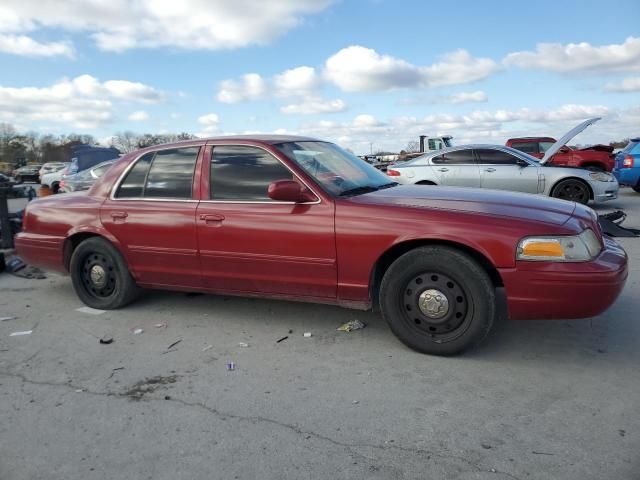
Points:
(505, 168)
(52, 180)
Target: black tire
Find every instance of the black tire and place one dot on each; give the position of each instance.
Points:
(55, 187)
(110, 285)
(426, 182)
(470, 298)
(572, 190)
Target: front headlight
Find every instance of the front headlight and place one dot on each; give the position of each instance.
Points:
(601, 176)
(576, 248)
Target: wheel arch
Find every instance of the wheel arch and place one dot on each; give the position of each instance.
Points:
(399, 249)
(582, 180)
(426, 182)
(75, 238)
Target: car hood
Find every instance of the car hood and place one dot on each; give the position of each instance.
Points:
(553, 149)
(498, 203)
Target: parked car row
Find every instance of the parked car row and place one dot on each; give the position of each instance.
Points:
(302, 219)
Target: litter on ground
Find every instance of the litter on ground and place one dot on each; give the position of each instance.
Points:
(19, 334)
(231, 366)
(282, 339)
(106, 340)
(174, 344)
(350, 326)
(4, 319)
(136, 331)
(90, 311)
(243, 345)
(306, 334)
(208, 347)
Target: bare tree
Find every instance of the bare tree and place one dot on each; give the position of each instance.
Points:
(412, 147)
(125, 141)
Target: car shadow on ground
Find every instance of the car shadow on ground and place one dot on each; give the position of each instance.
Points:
(511, 341)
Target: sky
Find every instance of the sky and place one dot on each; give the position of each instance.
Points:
(368, 74)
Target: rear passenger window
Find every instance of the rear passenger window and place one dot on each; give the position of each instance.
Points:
(133, 184)
(456, 157)
(171, 173)
(495, 157)
(244, 173)
(162, 174)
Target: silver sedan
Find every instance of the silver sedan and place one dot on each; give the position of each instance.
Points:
(504, 168)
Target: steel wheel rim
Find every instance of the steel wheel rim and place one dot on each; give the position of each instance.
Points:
(443, 320)
(98, 275)
(573, 191)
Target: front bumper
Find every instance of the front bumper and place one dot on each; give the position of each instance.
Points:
(604, 191)
(556, 290)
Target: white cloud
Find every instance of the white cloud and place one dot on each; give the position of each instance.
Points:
(467, 97)
(251, 87)
(28, 47)
(138, 116)
(357, 68)
(82, 102)
(476, 126)
(119, 25)
(210, 123)
(296, 81)
(575, 57)
(314, 105)
(209, 119)
(631, 84)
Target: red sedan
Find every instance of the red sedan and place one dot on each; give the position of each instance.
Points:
(301, 219)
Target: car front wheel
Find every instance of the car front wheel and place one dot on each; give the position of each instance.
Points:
(438, 300)
(572, 190)
(100, 275)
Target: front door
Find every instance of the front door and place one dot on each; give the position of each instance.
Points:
(500, 170)
(152, 214)
(250, 243)
(456, 169)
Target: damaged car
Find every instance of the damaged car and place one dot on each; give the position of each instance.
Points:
(297, 218)
(505, 168)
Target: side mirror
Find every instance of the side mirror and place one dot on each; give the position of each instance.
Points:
(290, 191)
(522, 163)
(565, 149)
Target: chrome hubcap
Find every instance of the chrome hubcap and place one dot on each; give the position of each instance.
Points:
(98, 276)
(433, 303)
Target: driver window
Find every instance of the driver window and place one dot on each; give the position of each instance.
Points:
(244, 173)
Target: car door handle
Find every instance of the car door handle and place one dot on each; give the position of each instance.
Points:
(489, 169)
(212, 219)
(443, 169)
(115, 215)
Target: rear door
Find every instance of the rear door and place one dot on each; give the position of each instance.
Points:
(250, 243)
(456, 168)
(499, 170)
(152, 214)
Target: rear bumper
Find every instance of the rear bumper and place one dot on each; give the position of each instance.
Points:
(549, 290)
(43, 251)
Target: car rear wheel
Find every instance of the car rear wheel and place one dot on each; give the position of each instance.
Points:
(100, 275)
(438, 300)
(637, 187)
(572, 190)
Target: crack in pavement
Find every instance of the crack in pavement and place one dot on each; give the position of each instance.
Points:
(257, 419)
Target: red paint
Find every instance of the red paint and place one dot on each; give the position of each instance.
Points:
(599, 156)
(324, 251)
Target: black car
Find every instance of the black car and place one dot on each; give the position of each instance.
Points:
(30, 173)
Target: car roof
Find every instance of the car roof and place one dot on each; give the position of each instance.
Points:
(259, 138)
(531, 138)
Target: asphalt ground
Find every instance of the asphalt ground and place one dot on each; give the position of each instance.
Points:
(537, 400)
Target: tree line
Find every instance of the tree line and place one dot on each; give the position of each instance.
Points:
(19, 149)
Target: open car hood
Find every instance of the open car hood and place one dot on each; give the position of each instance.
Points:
(553, 149)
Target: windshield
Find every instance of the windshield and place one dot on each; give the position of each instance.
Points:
(339, 172)
(448, 142)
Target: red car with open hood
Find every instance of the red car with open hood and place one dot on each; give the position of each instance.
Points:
(301, 219)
